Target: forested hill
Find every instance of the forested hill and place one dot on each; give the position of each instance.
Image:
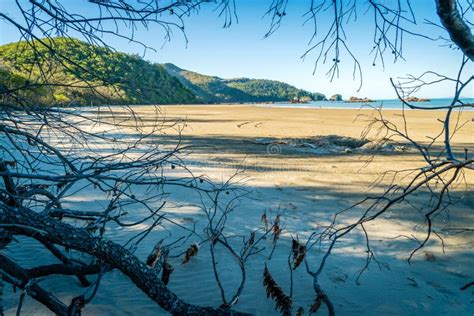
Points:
(72, 72)
(89, 75)
(211, 89)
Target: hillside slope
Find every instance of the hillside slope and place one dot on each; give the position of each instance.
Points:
(83, 74)
(73, 72)
(211, 89)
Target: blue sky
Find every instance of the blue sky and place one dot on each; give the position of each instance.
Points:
(242, 51)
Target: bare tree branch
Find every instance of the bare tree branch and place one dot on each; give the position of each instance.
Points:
(457, 28)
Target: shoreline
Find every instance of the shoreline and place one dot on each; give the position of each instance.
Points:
(386, 104)
(363, 107)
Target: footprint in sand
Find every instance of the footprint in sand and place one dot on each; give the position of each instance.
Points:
(412, 282)
(440, 288)
(338, 277)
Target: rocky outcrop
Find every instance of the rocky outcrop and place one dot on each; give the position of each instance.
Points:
(415, 99)
(304, 99)
(336, 97)
(359, 100)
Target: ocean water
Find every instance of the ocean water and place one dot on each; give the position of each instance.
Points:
(386, 104)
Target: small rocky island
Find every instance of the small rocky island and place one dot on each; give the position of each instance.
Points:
(336, 97)
(359, 100)
(415, 99)
(303, 99)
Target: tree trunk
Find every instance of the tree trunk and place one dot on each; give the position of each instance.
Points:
(32, 224)
(458, 30)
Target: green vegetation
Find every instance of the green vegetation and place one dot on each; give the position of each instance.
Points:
(211, 89)
(78, 73)
(270, 90)
(65, 71)
(10, 81)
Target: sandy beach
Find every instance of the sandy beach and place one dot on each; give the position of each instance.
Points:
(227, 133)
(310, 186)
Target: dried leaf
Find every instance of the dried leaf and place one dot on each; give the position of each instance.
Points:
(300, 311)
(316, 304)
(167, 270)
(294, 247)
(276, 233)
(283, 302)
(155, 255)
(264, 220)
(276, 228)
(299, 252)
(190, 252)
(251, 239)
(300, 257)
